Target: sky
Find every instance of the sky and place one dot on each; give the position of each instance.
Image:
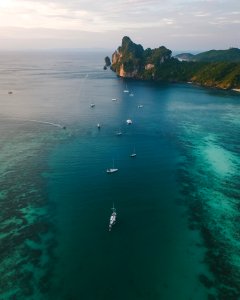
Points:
(177, 24)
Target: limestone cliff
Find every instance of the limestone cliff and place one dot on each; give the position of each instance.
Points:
(132, 61)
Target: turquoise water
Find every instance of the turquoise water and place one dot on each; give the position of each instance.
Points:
(177, 232)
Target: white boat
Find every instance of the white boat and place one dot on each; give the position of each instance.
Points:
(112, 170)
(126, 90)
(140, 106)
(114, 99)
(131, 94)
(113, 218)
(98, 126)
(119, 133)
(129, 122)
(134, 154)
(92, 105)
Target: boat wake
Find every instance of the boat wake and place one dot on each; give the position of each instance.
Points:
(47, 123)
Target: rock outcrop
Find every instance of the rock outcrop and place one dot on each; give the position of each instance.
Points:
(130, 60)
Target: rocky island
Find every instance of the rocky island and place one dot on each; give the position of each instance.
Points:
(130, 60)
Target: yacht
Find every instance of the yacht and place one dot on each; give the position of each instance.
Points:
(112, 170)
(134, 154)
(113, 218)
(126, 90)
(129, 122)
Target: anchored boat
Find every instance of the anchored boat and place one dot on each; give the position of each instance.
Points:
(112, 170)
(113, 218)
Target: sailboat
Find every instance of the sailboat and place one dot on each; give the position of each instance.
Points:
(112, 170)
(134, 154)
(126, 90)
(113, 218)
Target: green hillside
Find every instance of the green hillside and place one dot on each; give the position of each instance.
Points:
(230, 55)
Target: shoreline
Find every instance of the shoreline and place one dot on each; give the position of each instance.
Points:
(236, 90)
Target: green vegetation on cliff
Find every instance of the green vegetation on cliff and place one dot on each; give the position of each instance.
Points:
(132, 61)
(224, 75)
(230, 55)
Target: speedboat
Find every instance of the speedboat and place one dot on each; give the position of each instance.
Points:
(113, 218)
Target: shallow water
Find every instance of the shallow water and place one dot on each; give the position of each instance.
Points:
(177, 232)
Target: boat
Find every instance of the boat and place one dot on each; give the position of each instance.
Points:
(113, 218)
(129, 122)
(126, 90)
(92, 105)
(119, 133)
(140, 106)
(131, 94)
(98, 126)
(114, 99)
(134, 154)
(112, 170)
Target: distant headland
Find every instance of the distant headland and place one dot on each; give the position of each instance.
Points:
(214, 68)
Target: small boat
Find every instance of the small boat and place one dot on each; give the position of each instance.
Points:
(126, 90)
(112, 170)
(119, 133)
(129, 122)
(113, 218)
(98, 126)
(131, 94)
(134, 154)
(92, 105)
(140, 106)
(10, 93)
(114, 99)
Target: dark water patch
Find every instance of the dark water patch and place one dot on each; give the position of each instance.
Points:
(27, 231)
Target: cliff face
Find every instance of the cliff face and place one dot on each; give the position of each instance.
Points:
(132, 61)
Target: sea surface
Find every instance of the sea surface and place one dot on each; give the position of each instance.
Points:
(177, 234)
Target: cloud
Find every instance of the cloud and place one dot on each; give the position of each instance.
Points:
(165, 17)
